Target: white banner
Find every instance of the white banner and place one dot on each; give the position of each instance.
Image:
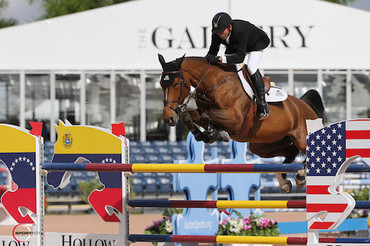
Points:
(305, 34)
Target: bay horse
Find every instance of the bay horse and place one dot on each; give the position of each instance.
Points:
(224, 111)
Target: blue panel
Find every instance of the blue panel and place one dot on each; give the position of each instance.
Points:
(196, 221)
(240, 185)
(301, 226)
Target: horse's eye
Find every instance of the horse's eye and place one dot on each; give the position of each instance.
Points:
(175, 84)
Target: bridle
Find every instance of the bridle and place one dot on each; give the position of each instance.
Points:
(172, 75)
(181, 105)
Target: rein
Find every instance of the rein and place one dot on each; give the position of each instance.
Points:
(202, 96)
(218, 85)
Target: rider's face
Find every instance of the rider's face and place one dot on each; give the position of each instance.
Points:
(223, 35)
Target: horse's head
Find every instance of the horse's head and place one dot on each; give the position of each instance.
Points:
(175, 90)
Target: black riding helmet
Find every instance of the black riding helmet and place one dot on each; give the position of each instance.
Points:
(220, 22)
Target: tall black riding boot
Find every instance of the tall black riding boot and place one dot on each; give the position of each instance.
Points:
(262, 106)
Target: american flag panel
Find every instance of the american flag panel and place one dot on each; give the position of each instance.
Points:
(329, 152)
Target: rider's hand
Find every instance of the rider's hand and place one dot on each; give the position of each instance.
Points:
(212, 59)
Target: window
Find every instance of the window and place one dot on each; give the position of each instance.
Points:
(98, 100)
(9, 98)
(360, 95)
(334, 96)
(303, 82)
(67, 94)
(128, 103)
(38, 105)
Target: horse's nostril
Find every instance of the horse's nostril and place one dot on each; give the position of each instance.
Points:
(170, 121)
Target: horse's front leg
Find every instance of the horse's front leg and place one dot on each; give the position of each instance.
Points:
(191, 117)
(204, 121)
(212, 132)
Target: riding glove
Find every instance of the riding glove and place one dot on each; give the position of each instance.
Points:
(212, 59)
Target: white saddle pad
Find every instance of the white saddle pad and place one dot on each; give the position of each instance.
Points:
(275, 94)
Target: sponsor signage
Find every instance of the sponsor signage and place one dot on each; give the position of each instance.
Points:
(304, 34)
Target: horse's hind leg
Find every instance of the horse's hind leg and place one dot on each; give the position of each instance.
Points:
(300, 179)
(291, 152)
(284, 148)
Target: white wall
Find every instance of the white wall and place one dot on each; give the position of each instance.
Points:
(306, 34)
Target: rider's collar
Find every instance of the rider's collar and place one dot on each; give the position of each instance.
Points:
(228, 37)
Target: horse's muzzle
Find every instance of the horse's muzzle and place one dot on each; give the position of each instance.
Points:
(171, 120)
(171, 115)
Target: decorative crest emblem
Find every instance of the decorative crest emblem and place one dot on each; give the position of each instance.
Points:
(67, 140)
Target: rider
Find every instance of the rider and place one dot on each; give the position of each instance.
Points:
(240, 38)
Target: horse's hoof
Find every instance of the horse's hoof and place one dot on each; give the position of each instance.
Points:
(211, 134)
(198, 136)
(211, 141)
(223, 136)
(205, 138)
(208, 140)
(287, 187)
(300, 181)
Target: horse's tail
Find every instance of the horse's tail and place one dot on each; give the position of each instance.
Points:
(313, 98)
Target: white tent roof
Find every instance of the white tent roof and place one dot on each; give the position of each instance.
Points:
(305, 34)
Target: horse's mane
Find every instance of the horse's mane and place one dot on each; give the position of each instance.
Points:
(196, 57)
(193, 57)
(222, 66)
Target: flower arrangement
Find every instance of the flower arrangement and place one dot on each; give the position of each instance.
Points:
(253, 225)
(163, 226)
(358, 195)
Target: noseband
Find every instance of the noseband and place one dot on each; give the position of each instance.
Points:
(170, 77)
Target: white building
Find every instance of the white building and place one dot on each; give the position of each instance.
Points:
(100, 66)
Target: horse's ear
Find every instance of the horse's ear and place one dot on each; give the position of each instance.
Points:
(182, 58)
(161, 60)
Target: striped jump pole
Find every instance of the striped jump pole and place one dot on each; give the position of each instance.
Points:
(228, 204)
(174, 168)
(186, 168)
(241, 239)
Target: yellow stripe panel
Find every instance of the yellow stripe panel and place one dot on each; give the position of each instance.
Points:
(168, 168)
(252, 204)
(86, 140)
(16, 140)
(252, 240)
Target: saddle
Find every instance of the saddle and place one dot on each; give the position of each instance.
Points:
(266, 80)
(274, 94)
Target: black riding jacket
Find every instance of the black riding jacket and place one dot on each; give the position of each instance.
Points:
(245, 37)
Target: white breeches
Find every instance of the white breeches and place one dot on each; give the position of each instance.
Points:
(254, 59)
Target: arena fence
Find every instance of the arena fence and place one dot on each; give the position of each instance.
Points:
(87, 148)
